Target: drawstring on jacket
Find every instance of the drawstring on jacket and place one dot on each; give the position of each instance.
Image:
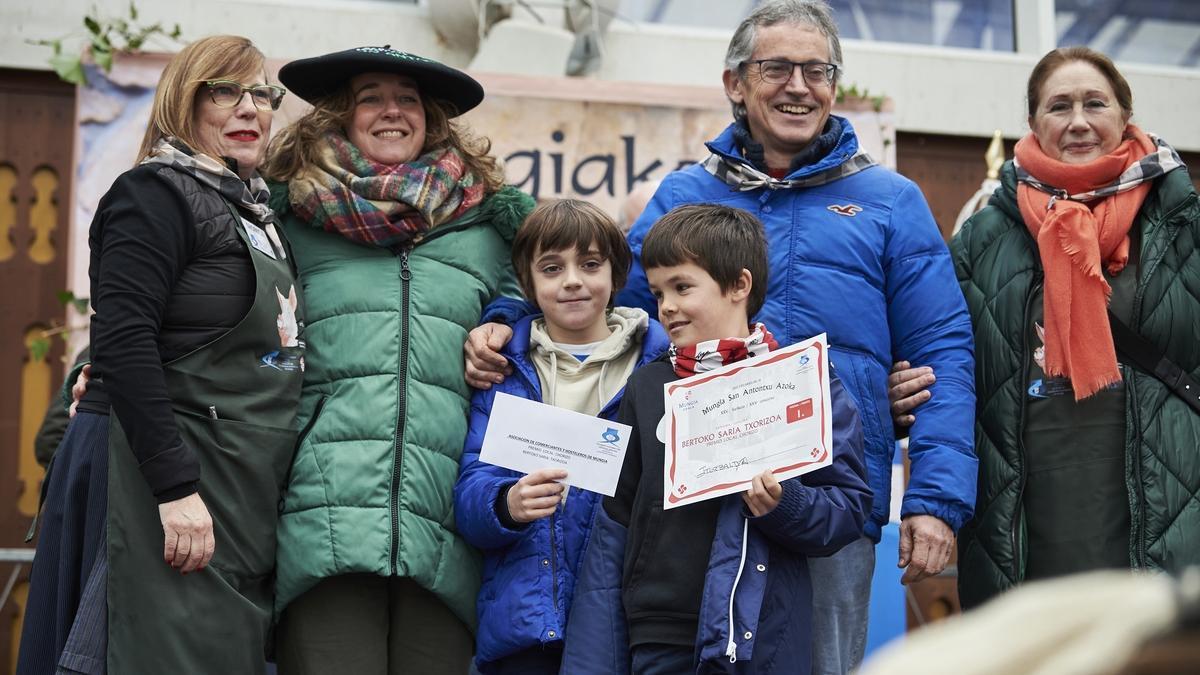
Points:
(552, 381)
(731, 648)
(600, 385)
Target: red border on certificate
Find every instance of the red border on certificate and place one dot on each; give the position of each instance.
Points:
(774, 357)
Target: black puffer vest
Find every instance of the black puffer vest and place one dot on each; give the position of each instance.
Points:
(216, 287)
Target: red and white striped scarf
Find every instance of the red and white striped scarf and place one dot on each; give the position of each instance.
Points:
(712, 354)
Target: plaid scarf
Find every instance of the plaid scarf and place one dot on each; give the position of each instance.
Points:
(379, 204)
(1159, 162)
(251, 195)
(712, 354)
(1080, 215)
(743, 177)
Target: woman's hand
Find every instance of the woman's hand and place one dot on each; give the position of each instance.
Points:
(764, 494)
(80, 387)
(536, 495)
(908, 388)
(188, 539)
(485, 366)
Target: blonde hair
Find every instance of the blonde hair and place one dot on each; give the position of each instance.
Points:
(297, 147)
(215, 57)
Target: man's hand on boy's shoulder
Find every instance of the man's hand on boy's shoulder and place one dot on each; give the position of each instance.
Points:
(764, 494)
(484, 364)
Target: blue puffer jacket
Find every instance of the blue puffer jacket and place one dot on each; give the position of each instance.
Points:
(528, 573)
(859, 257)
(756, 607)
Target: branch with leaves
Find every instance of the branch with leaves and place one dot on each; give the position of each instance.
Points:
(39, 346)
(104, 37)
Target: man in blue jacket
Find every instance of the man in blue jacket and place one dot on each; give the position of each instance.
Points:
(854, 252)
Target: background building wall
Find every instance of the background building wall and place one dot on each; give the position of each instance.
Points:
(969, 92)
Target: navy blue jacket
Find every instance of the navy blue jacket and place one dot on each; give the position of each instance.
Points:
(766, 627)
(857, 255)
(529, 572)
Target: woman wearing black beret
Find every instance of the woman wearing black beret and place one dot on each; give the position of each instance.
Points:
(402, 227)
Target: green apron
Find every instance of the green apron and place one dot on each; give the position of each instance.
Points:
(235, 402)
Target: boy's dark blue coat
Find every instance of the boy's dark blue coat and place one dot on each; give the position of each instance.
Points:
(772, 607)
(529, 573)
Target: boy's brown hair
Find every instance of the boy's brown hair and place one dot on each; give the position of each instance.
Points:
(569, 223)
(719, 239)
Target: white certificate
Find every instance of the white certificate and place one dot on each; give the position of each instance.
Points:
(724, 427)
(525, 436)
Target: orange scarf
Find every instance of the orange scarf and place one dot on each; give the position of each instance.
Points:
(1074, 238)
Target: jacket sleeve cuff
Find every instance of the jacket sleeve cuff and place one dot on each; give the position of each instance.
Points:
(947, 513)
(501, 508)
(491, 526)
(177, 492)
(942, 485)
(790, 510)
(168, 472)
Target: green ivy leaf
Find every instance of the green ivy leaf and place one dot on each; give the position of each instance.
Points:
(69, 68)
(101, 43)
(105, 36)
(65, 297)
(81, 304)
(39, 348)
(103, 58)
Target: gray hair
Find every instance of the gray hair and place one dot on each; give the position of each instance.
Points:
(815, 13)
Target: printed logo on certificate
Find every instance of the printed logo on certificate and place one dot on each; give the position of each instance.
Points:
(726, 426)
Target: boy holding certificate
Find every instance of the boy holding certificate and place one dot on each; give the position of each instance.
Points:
(570, 259)
(720, 585)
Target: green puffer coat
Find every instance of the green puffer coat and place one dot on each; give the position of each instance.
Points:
(383, 412)
(998, 267)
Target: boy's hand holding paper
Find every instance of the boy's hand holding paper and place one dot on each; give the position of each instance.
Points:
(528, 436)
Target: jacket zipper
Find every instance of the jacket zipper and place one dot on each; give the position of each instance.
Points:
(441, 232)
(554, 565)
(1138, 530)
(401, 409)
(1137, 535)
(1014, 526)
(731, 643)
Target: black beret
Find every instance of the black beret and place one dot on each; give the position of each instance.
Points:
(323, 75)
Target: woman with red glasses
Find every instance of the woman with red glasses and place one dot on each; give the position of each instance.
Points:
(157, 542)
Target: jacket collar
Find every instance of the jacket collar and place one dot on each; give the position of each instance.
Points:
(655, 343)
(844, 146)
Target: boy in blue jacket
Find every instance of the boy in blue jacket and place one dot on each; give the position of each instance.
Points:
(718, 586)
(570, 259)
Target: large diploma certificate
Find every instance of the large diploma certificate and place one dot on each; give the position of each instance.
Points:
(525, 436)
(725, 426)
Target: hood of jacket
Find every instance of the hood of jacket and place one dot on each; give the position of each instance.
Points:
(585, 386)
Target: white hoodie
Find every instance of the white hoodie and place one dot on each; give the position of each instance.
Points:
(587, 386)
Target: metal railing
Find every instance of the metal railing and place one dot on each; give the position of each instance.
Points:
(20, 556)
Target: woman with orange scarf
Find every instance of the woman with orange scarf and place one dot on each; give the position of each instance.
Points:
(1089, 446)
